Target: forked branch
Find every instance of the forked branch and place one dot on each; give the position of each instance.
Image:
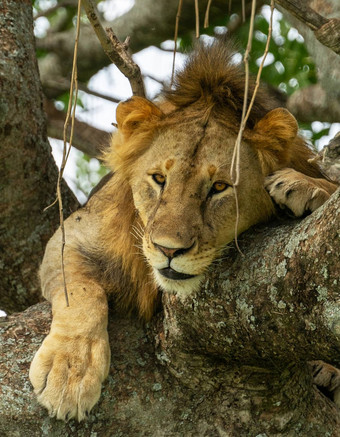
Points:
(116, 50)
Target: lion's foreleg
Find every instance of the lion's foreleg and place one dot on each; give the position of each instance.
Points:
(68, 369)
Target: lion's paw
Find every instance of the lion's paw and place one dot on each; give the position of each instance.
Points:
(327, 378)
(295, 191)
(67, 373)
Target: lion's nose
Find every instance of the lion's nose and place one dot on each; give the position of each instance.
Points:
(173, 252)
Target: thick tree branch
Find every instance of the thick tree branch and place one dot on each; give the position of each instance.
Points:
(329, 159)
(304, 13)
(326, 95)
(327, 31)
(229, 360)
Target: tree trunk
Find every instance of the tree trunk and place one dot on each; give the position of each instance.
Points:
(230, 360)
(28, 172)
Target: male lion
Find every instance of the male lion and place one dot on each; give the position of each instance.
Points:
(171, 199)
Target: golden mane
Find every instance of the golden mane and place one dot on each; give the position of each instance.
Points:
(212, 79)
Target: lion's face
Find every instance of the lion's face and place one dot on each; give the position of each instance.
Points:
(177, 165)
(183, 193)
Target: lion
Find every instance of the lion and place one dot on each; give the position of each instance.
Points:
(166, 213)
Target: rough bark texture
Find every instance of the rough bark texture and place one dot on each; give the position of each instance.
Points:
(28, 173)
(229, 361)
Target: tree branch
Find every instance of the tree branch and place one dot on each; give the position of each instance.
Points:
(327, 31)
(304, 13)
(28, 171)
(230, 358)
(161, 82)
(83, 87)
(147, 23)
(116, 51)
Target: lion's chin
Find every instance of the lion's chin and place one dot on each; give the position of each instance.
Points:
(183, 286)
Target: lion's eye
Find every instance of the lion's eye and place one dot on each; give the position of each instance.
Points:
(159, 179)
(218, 187)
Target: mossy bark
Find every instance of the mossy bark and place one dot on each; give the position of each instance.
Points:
(28, 172)
(231, 360)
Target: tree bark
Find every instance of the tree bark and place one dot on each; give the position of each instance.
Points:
(28, 172)
(231, 360)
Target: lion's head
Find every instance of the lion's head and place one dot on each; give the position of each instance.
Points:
(176, 158)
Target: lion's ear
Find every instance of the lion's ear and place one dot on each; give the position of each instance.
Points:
(273, 137)
(133, 112)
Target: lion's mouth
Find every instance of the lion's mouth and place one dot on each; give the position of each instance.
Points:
(172, 274)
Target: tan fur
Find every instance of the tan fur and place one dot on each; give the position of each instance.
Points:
(135, 228)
